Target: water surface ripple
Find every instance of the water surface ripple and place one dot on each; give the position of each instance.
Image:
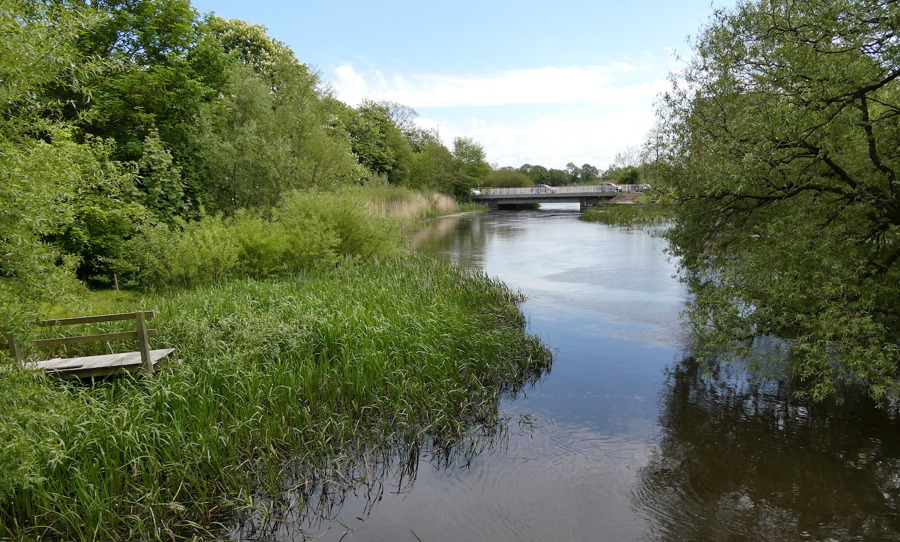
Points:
(626, 439)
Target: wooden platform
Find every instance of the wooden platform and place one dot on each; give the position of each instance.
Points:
(104, 365)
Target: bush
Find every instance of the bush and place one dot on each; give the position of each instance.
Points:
(307, 231)
(201, 252)
(361, 232)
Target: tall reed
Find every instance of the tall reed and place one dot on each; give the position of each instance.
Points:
(275, 373)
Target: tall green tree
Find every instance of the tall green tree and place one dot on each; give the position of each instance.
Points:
(43, 164)
(378, 141)
(507, 177)
(558, 177)
(471, 158)
(574, 173)
(538, 174)
(434, 168)
(269, 129)
(589, 174)
(782, 144)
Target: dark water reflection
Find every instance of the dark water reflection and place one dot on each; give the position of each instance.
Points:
(740, 460)
(627, 438)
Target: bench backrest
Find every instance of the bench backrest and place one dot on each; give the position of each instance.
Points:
(141, 333)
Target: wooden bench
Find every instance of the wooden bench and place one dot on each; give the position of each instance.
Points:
(98, 365)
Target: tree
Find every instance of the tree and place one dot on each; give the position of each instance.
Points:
(268, 130)
(557, 177)
(538, 174)
(42, 163)
(507, 177)
(781, 140)
(378, 142)
(574, 173)
(470, 156)
(434, 167)
(589, 174)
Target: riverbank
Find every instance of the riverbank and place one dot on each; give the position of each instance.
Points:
(629, 212)
(275, 372)
(280, 373)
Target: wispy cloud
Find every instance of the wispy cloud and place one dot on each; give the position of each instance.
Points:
(548, 116)
(615, 83)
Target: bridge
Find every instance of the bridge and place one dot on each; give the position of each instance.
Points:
(585, 196)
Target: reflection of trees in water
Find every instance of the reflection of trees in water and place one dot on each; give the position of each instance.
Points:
(461, 237)
(464, 238)
(743, 460)
(316, 494)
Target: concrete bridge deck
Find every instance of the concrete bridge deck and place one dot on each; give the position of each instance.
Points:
(585, 196)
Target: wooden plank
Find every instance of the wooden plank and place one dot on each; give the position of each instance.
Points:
(95, 319)
(96, 365)
(43, 343)
(91, 372)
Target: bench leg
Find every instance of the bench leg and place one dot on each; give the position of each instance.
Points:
(14, 350)
(144, 342)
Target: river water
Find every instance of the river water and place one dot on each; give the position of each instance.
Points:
(626, 438)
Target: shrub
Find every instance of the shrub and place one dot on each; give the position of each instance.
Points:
(307, 231)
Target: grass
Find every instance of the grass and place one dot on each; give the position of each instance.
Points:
(278, 375)
(470, 207)
(407, 206)
(627, 215)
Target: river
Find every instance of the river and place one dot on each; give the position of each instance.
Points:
(625, 438)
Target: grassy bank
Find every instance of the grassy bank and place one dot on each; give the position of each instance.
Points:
(275, 372)
(627, 215)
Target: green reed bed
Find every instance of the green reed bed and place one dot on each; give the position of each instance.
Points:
(275, 373)
(628, 214)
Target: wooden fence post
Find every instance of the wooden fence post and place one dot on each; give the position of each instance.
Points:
(14, 350)
(143, 341)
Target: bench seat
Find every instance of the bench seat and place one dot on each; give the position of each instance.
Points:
(106, 364)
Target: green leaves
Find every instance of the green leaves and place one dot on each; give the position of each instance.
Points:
(782, 148)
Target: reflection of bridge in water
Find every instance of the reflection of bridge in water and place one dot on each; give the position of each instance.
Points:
(586, 196)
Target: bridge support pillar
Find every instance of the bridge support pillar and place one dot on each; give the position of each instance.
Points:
(587, 203)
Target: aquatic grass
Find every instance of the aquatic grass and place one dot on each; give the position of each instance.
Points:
(628, 215)
(278, 376)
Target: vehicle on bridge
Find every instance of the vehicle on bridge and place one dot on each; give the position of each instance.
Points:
(542, 189)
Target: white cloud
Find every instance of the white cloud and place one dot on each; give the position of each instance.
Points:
(593, 137)
(548, 116)
(616, 83)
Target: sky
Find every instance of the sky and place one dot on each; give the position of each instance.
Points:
(537, 82)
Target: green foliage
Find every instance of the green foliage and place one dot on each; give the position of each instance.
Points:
(202, 252)
(378, 142)
(434, 168)
(781, 143)
(537, 174)
(470, 158)
(145, 32)
(558, 177)
(306, 231)
(257, 144)
(41, 163)
(275, 373)
(622, 175)
(628, 215)
(160, 188)
(361, 233)
(507, 177)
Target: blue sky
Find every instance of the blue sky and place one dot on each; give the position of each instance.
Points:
(533, 82)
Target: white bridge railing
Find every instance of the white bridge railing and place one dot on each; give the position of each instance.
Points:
(576, 189)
